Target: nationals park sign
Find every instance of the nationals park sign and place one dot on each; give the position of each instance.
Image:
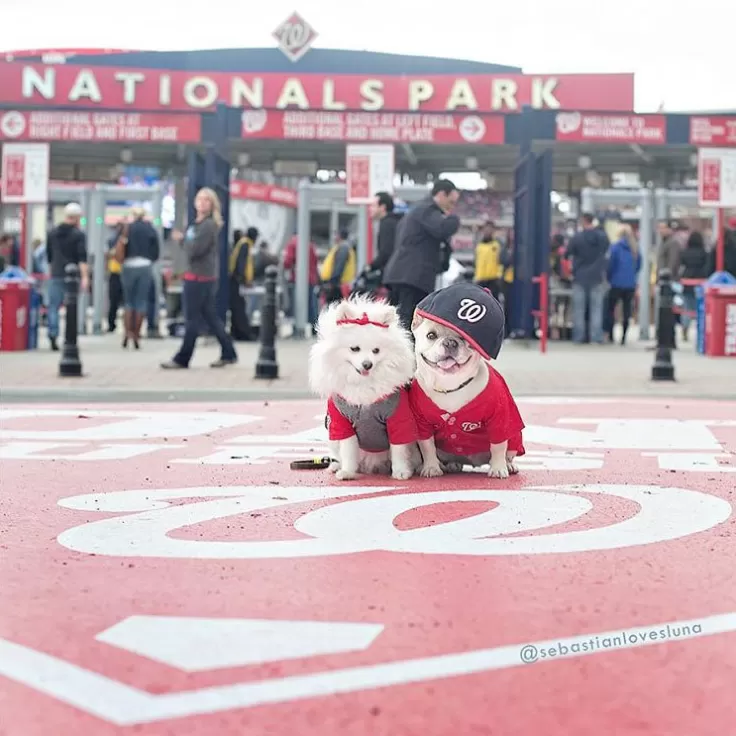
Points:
(160, 90)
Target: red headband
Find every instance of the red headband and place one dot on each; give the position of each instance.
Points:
(362, 321)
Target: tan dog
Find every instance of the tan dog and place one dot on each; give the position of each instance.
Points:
(464, 410)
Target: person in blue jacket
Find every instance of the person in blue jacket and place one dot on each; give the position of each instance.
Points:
(624, 262)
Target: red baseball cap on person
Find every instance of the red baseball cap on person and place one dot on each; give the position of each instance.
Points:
(731, 223)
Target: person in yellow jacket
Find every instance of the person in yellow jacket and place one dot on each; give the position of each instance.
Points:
(508, 284)
(240, 269)
(489, 268)
(339, 268)
(114, 281)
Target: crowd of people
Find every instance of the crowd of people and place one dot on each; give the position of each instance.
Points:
(604, 275)
(412, 250)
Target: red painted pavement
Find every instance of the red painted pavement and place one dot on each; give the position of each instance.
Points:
(420, 589)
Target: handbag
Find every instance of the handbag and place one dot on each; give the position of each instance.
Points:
(121, 245)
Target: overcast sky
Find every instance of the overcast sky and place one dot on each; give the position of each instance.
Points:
(683, 54)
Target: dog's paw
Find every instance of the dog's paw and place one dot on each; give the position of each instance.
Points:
(512, 467)
(401, 473)
(334, 466)
(431, 471)
(499, 471)
(343, 474)
(452, 468)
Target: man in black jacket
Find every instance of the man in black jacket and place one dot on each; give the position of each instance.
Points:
(412, 270)
(588, 250)
(382, 210)
(66, 244)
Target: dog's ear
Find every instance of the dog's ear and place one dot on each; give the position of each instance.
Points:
(343, 310)
(385, 313)
(416, 320)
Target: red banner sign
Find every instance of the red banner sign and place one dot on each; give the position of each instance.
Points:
(158, 89)
(385, 127)
(257, 192)
(713, 131)
(581, 127)
(709, 182)
(14, 175)
(99, 127)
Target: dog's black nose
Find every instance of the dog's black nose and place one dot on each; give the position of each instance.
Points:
(450, 344)
(367, 364)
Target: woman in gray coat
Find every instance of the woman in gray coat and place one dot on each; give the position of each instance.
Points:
(200, 282)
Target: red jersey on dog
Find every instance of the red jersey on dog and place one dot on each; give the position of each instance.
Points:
(491, 418)
(388, 421)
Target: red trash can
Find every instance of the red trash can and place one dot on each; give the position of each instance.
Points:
(15, 303)
(720, 321)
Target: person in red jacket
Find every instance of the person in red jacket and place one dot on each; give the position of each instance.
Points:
(290, 276)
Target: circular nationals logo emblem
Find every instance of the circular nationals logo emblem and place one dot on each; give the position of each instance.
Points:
(568, 122)
(254, 121)
(471, 311)
(12, 124)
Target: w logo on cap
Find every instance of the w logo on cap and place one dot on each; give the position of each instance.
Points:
(471, 311)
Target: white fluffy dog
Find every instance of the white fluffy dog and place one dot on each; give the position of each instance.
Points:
(361, 363)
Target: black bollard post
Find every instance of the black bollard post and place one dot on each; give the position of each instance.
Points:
(70, 366)
(663, 368)
(267, 366)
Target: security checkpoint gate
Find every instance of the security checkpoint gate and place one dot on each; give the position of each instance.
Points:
(99, 196)
(592, 200)
(318, 197)
(93, 201)
(666, 199)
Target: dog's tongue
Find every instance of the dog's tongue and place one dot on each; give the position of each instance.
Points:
(447, 363)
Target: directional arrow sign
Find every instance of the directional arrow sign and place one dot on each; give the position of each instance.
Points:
(201, 644)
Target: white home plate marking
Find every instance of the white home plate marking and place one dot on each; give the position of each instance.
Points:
(199, 644)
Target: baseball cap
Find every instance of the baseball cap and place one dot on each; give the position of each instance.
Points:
(470, 310)
(72, 210)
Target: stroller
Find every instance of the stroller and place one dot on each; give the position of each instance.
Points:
(368, 283)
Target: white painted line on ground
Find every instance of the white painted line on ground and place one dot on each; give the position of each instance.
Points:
(123, 705)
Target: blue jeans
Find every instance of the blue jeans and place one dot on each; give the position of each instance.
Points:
(137, 281)
(690, 304)
(312, 303)
(313, 307)
(199, 307)
(588, 299)
(55, 296)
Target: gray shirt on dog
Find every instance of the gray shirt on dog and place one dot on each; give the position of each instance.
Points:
(388, 421)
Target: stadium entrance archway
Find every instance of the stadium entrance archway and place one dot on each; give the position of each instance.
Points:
(318, 197)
